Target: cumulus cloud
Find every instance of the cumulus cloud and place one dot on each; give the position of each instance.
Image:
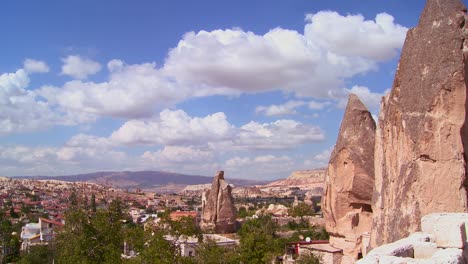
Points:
(315, 105)
(183, 159)
(239, 162)
(260, 167)
(90, 141)
(319, 160)
(308, 64)
(179, 154)
(175, 128)
(24, 160)
(281, 134)
(25, 110)
(232, 62)
(288, 108)
(21, 110)
(32, 66)
(78, 67)
(178, 128)
(131, 91)
(352, 35)
(370, 99)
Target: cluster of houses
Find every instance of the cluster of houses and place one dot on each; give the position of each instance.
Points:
(40, 207)
(39, 233)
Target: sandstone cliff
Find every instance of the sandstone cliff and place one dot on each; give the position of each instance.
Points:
(346, 203)
(420, 157)
(218, 211)
(310, 178)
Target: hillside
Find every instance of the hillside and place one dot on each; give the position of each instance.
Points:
(158, 181)
(310, 178)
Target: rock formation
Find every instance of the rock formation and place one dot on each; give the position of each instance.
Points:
(218, 211)
(420, 156)
(276, 210)
(346, 203)
(309, 180)
(312, 178)
(442, 240)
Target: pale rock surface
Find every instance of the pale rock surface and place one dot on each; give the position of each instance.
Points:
(424, 250)
(420, 156)
(448, 256)
(304, 179)
(449, 229)
(346, 203)
(433, 247)
(218, 211)
(274, 209)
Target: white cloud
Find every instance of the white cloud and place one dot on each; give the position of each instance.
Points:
(21, 111)
(281, 134)
(240, 162)
(181, 159)
(233, 61)
(229, 61)
(131, 91)
(178, 154)
(370, 99)
(115, 65)
(288, 108)
(175, 128)
(314, 105)
(32, 66)
(260, 167)
(178, 128)
(23, 160)
(90, 141)
(78, 67)
(352, 35)
(319, 160)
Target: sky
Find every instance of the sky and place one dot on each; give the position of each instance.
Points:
(254, 88)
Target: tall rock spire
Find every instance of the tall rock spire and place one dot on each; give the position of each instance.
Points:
(218, 211)
(350, 177)
(420, 155)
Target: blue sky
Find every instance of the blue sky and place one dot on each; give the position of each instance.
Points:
(256, 88)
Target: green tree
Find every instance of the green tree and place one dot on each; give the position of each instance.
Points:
(91, 239)
(9, 239)
(26, 209)
(40, 254)
(210, 253)
(73, 199)
(301, 210)
(93, 203)
(13, 214)
(309, 259)
(258, 241)
(158, 250)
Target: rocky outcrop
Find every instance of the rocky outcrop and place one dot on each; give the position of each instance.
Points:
(443, 240)
(346, 203)
(277, 210)
(218, 211)
(420, 156)
(309, 178)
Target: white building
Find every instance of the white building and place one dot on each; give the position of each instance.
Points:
(188, 246)
(39, 233)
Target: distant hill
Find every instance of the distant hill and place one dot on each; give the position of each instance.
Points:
(158, 181)
(310, 178)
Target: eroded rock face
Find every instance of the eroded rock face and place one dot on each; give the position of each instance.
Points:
(420, 156)
(349, 181)
(218, 211)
